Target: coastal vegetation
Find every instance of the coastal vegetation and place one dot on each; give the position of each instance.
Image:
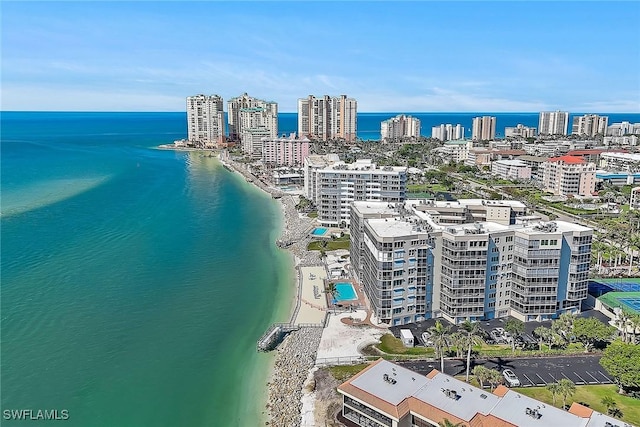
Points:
(332, 244)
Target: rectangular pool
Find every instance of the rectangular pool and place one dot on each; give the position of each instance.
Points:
(345, 292)
(319, 231)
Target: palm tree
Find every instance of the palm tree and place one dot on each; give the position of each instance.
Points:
(482, 374)
(608, 401)
(440, 337)
(554, 389)
(447, 423)
(515, 327)
(457, 340)
(494, 378)
(635, 325)
(471, 332)
(567, 389)
(543, 334)
(622, 322)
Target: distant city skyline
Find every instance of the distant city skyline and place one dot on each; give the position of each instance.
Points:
(389, 56)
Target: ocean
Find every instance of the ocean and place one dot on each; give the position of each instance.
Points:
(135, 281)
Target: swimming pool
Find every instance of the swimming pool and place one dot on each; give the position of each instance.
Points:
(319, 231)
(345, 292)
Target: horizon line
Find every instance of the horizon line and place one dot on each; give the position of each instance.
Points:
(295, 112)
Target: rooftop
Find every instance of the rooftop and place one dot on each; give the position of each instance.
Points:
(568, 159)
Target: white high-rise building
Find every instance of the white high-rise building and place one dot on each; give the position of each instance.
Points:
(448, 132)
(205, 120)
(483, 128)
(623, 128)
(399, 127)
(553, 123)
(590, 125)
(247, 113)
(333, 185)
(328, 117)
(520, 131)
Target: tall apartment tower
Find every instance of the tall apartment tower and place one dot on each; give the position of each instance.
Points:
(590, 125)
(205, 120)
(328, 117)
(484, 128)
(553, 123)
(448, 132)
(246, 112)
(399, 127)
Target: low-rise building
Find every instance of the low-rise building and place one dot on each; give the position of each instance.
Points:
(511, 169)
(627, 162)
(535, 163)
(385, 394)
(569, 175)
(634, 201)
(631, 140)
(520, 131)
(456, 151)
(623, 128)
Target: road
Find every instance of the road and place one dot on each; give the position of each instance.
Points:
(535, 371)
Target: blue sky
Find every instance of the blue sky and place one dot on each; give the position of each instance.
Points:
(391, 56)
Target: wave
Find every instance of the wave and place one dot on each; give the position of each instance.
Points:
(45, 193)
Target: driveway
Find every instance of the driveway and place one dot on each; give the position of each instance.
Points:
(535, 371)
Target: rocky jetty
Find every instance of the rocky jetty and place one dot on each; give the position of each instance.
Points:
(296, 356)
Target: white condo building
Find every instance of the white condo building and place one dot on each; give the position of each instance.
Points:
(252, 119)
(634, 201)
(620, 162)
(448, 132)
(328, 117)
(623, 128)
(399, 127)
(590, 125)
(520, 131)
(553, 123)
(569, 175)
(483, 128)
(205, 120)
(511, 169)
(466, 260)
(333, 185)
(284, 151)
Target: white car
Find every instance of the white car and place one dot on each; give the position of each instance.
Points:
(510, 378)
(426, 339)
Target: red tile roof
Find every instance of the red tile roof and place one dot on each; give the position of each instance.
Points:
(568, 159)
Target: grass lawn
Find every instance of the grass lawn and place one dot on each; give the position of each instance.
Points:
(430, 188)
(592, 395)
(392, 345)
(343, 373)
(313, 214)
(333, 244)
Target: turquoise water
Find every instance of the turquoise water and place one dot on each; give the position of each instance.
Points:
(345, 292)
(126, 296)
(319, 231)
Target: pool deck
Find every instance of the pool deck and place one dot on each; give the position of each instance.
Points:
(313, 302)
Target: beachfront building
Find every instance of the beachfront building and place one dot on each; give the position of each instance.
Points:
(553, 123)
(205, 120)
(448, 132)
(483, 128)
(569, 175)
(590, 125)
(399, 127)
(511, 169)
(333, 185)
(620, 162)
(328, 117)
(623, 128)
(520, 131)
(291, 151)
(385, 394)
(248, 115)
(466, 260)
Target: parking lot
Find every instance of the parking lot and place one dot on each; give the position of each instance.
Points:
(532, 372)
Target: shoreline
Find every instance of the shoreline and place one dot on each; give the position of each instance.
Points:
(295, 356)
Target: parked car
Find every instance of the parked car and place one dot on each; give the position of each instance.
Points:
(510, 378)
(426, 339)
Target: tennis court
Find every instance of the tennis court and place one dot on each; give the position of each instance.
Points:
(628, 301)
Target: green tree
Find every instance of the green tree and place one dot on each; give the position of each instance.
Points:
(567, 389)
(608, 401)
(482, 374)
(494, 378)
(623, 322)
(543, 334)
(622, 361)
(554, 389)
(440, 337)
(457, 341)
(563, 326)
(590, 330)
(515, 327)
(447, 423)
(471, 333)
